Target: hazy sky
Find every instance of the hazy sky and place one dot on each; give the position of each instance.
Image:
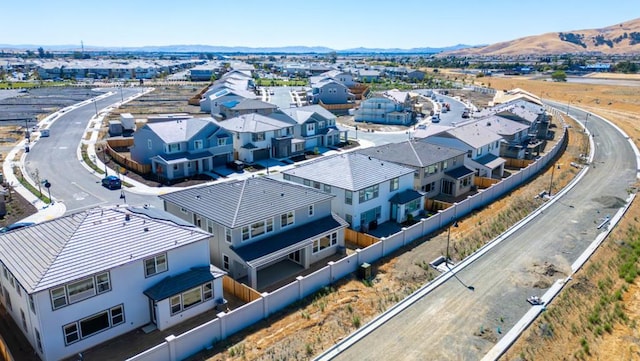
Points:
(338, 24)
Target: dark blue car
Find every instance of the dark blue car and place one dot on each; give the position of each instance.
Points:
(111, 182)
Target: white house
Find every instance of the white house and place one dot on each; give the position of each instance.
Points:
(80, 280)
(363, 187)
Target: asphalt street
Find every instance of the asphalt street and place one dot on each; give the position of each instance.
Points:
(456, 323)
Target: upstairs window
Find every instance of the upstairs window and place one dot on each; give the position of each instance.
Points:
(155, 265)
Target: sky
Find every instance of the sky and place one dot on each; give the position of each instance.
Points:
(337, 24)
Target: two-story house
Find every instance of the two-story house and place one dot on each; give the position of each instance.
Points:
(181, 148)
(368, 191)
(234, 108)
(329, 91)
(390, 107)
(264, 229)
(515, 135)
(340, 76)
(212, 103)
(439, 170)
(82, 279)
(259, 137)
(481, 145)
(316, 126)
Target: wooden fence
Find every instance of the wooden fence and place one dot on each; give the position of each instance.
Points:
(360, 91)
(338, 108)
(436, 205)
(483, 182)
(122, 160)
(359, 239)
(518, 163)
(240, 290)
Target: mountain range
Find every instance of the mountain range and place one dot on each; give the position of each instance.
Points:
(619, 39)
(235, 49)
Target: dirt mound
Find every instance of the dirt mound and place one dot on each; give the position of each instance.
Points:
(610, 202)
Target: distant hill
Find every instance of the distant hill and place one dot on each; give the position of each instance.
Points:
(235, 49)
(619, 39)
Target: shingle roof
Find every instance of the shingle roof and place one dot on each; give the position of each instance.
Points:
(174, 131)
(173, 285)
(243, 202)
(405, 197)
(412, 153)
(351, 171)
(84, 243)
(459, 172)
(474, 135)
(302, 114)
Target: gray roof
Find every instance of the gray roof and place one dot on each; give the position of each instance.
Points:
(84, 243)
(302, 114)
(253, 123)
(405, 197)
(173, 285)
(502, 126)
(238, 203)
(351, 171)
(412, 153)
(459, 172)
(491, 161)
(306, 232)
(174, 131)
(251, 104)
(474, 135)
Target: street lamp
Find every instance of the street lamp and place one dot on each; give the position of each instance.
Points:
(568, 103)
(553, 168)
(454, 224)
(95, 105)
(47, 185)
(121, 96)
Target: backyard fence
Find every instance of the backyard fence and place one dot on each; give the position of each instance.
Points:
(239, 290)
(359, 239)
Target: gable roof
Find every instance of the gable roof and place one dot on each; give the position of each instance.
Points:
(238, 203)
(474, 135)
(412, 153)
(302, 114)
(351, 171)
(84, 243)
(174, 131)
(501, 126)
(254, 123)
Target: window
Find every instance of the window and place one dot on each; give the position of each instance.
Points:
(269, 225)
(208, 291)
(416, 175)
(286, 176)
(325, 242)
(257, 229)
(368, 193)
(316, 185)
(469, 153)
(287, 219)
(117, 315)
(24, 320)
(311, 127)
(245, 233)
(176, 305)
(257, 137)
(71, 334)
(103, 282)
(18, 289)
(348, 197)
(327, 188)
(227, 235)
(79, 290)
(479, 151)
(173, 148)
(444, 165)
(394, 184)
(32, 304)
(429, 187)
(222, 141)
(412, 206)
(306, 182)
(349, 219)
(310, 210)
(197, 144)
(191, 297)
(149, 144)
(155, 265)
(58, 297)
(225, 262)
(38, 340)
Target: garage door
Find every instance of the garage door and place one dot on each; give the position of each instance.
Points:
(260, 154)
(219, 160)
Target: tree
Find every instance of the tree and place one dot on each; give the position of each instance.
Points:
(41, 52)
(559, 75)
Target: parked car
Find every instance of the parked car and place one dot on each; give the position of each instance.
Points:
(14, 226)
(111, 182)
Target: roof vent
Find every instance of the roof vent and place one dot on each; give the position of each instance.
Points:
(488, 124)
(127, 217)
(146, 229)
(198, 196)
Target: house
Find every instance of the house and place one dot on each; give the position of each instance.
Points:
(482, 148)
(259, 137)
(340, 76)
(329, 91)
(413, 75)
(364, 188)
(211, 103)
(183, 147)
(316, 126)
(238, 82)
(515, 135)
(77, 281)
(234, 108)
(390, 107)
(368, 76)
(264, 229)
(438, 170)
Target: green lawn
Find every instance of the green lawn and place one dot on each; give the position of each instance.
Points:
(281, 82)
(29, 84)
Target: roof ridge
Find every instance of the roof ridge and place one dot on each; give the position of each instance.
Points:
(235, 214)
(415, 153)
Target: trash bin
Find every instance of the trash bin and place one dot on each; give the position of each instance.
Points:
(26, 149)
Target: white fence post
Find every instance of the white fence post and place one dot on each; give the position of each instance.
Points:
(383, 239)
(223, 328)
(172, 347)
(299, 279)
(358, 250)
(331, 276)
(265, 304)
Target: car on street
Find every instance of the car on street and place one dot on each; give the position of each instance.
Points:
(112, 182)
